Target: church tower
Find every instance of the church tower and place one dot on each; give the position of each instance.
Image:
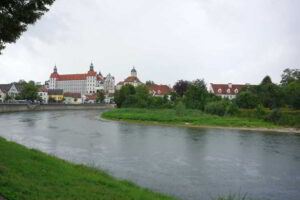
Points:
(133, 72)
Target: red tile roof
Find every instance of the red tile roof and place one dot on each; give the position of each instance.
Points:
(227, 89)
(91, 97)
(132, 79)
(159, 89)
(43, 90)
(65, 77)
(73, 95)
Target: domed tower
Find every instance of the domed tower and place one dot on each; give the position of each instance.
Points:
(133, 72)
(53, 78)
(91, 67)
(55, 69)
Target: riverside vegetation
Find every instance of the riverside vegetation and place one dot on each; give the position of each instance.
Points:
(30, 174)
(266, 105)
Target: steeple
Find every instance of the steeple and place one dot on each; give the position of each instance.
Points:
(133, 72)
(91, 67)
(55, 69)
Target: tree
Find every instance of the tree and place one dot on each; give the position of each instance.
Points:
(100, 96)
(266, 80)
(15, 15)
(246, 99)
(290, 75)
(29, 91)
(181, 87)
(196, 95)
(150, 83)
(292, 94)
(125, 92)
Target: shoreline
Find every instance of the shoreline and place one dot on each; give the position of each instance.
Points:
(292, 131)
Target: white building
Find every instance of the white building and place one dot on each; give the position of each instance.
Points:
(132, 80)
(87, 83)
(43, 94)
(226, 90)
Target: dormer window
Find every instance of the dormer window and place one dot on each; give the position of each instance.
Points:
(228, 91)
(219, 90)
(236, 91)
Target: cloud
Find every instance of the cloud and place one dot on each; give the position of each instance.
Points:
(220, 41)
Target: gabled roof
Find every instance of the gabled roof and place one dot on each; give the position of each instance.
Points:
(91, 97)
(43, 90)
(69, 77)
(159, 89)
(132, 79)
(55, 92)
(227, 89)
(73, 95)
(5, 87)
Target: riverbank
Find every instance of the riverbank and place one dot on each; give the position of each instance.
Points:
(193, 118)
(6, 108)
(30, 174)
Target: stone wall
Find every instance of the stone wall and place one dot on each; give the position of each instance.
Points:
(45, 107)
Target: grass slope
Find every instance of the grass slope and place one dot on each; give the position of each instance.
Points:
(193, 117)
(30, 174)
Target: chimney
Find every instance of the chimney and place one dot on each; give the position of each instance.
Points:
(230, 85)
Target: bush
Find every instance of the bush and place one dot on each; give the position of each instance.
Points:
(180, 108)
(215, 108)
(259, 111)
(275, 116)
(233, 109)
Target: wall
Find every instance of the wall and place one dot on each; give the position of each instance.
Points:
(28, 107)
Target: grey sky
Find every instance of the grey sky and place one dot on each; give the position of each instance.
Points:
(219, 40)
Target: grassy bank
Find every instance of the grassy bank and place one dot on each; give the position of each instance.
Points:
(190, 117)
(30, 174)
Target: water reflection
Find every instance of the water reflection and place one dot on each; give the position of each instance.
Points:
(188, 163)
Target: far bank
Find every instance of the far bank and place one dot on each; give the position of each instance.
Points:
(193, 118)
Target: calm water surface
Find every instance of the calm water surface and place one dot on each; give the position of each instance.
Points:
(184, 162)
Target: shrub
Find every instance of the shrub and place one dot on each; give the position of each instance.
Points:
(233, 109)
(275, 116)
(215, 108)
(180, 108)
(259, 111)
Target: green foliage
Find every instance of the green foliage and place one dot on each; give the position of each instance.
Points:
(275, 116)
(125, 92)
(247, 99)
(180, 108)
(271, 95)
(31, 174)
(196, 95)
(29, 91)
(292, 94)
(150, 83)
(191, 116)
(51, 100)
(259, 111)
(289, 76)
(100, 96)
(16, 15)
(232, 109)
(215, 108)
(266, 80)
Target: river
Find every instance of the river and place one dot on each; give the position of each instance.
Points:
(189, 163)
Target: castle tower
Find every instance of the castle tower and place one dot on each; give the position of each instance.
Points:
(133, 72)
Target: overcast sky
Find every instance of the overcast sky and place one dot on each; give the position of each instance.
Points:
(221, 41)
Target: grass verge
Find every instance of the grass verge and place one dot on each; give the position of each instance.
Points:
(30, 174)
(190, 117)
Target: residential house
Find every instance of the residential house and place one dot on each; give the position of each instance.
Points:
(56, 94)
(43, 94)
(160, 90)
(226, 90)
(72, 98)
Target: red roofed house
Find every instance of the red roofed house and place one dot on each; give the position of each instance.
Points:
(159, 90)
(43, 94)
(132, 80)
(226, 90)
(87, 83)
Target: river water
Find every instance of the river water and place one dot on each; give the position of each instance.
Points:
(188, 163)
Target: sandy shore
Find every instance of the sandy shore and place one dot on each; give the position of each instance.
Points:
(261, 129)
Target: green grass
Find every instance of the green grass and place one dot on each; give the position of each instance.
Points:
(192, 117)
(30, 174)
